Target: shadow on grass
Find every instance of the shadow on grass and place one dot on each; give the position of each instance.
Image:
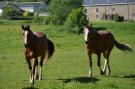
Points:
(130, 76)
(31, 87)
(80, 79)
(126, 76)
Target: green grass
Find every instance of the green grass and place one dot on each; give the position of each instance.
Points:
(68, 68)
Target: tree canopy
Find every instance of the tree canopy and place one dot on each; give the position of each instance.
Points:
(59, 9)
(47, 1)
(76, 18)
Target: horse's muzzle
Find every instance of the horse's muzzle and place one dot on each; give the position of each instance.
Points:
(26, 45)
(86, 42)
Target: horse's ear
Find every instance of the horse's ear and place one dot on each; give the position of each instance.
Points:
(28, 27)
(90, 26)
(23, 27)
(85, 26)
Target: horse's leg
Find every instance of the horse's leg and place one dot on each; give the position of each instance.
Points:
(90, 65)
(30, 69)
(105, 63)
(36, 69)
(99, 64)
(106, 55)
(33, 70)
(109, 69)
(41, 64)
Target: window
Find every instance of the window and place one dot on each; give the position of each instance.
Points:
(97, 16)
(133, 14)
(85, 10)
(113, 9)
(97, 9)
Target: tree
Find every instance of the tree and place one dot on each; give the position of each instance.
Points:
(59, 9)
(76, 18)
(47, 1)
(11, 10)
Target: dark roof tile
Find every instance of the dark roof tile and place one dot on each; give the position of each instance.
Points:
(96, 2)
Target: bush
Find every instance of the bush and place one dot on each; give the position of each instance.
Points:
(11, 10)
(27, 13)
(60, 9)
(76, 18)
(41, 20)
(118, 18)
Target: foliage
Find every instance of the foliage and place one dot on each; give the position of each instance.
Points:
(27, 0)
(27, 13)
(118, 18)
(76, 18)
(41, 20)
(112, 17)
(11, 10)
(59, 9)
(47, 1)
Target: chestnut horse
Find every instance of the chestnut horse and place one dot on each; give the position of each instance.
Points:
(36, 45)
(101, 42)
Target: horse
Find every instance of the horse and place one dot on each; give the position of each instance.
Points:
(101, 42)
(36, 44)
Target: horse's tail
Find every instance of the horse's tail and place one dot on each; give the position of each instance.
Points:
(123, 47)
(50, 48)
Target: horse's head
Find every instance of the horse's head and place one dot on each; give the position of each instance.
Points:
(26, 35)
(86, 30)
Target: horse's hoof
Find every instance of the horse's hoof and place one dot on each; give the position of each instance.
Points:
(31, 83)
(40, 78)
(108, 73)
(37, 77)
(102, 72)
(90, 76)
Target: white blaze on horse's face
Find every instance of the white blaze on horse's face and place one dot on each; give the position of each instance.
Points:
(86, 32)
(25, 37)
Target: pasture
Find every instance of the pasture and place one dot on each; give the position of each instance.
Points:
(68, 68)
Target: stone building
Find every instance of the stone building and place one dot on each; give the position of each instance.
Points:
(96, 9)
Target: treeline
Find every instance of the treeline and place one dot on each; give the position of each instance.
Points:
(27, 0)
(61, 12)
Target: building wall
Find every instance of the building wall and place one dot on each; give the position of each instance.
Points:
(96, 12)
(0, 12)
(132, 12)
(122, 10)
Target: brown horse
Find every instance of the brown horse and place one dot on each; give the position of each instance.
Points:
(101, 42)
(36, 45)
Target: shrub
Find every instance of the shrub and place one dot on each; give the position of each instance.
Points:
(60, 9)
(76, 18)
(11, 10)
(41, 20)
(118, 18)
(27, 13)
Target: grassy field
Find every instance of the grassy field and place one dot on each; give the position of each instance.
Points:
(68, 68)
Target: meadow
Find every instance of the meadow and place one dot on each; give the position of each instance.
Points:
(68, 68)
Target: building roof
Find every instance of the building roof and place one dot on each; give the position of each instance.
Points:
(104, 2)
